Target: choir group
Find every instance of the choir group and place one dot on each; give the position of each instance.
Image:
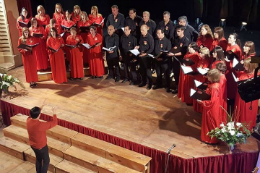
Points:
(203, 63)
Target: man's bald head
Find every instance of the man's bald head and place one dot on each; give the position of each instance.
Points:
(110, 30)
(144, 30)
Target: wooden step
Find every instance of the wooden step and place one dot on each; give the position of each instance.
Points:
(69, 167)
(13, 147)
(112, 152)
(8, 162)
(94, 162)
(56, 147)
(54, 160)
(59, 133)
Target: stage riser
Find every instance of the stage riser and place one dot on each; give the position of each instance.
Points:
(61, 143)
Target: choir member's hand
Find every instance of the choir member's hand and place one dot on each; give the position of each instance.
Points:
(199, 101)
(62, 45)
(130, 54)
(136, 47)
(29, 48)
(242, 61)
(134, 60)
(142, 54)
(120, 58)
(99, 44)
(170, 54)
(104, 56)
(201, 46)
(111, 52)
(159, 59)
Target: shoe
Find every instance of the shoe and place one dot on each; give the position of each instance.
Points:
(156, 87)
(93, 77)
(32, 85)
(72, 78)
(149, 87)
(35, 84)
(141, 84)
(131, 83)
(167, 90)
(108, 77)
(116, 80)
(100, 77)
(175, 91)
(125, 80)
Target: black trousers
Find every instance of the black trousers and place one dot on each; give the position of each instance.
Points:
(145, 68)
(133, 71)
(176, 70)
(111, 62)
(42, 159)
(163, 67)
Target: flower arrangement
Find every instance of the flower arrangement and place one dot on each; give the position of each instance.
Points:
(231, 133)
(7, 81)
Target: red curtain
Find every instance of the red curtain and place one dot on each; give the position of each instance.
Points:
(26, 4)
(231, 163)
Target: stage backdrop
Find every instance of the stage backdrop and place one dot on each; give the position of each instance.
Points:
(211, 11)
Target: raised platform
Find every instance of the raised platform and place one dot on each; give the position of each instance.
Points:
(148, 122)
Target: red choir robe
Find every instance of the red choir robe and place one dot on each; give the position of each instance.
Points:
(98, 19)
(186, 82)
(222, 43)
(75, 18)
(48, 28)
(66, 34)
(203, 63)
(213, 65)
(29, 61)
(20, 29)
(43, 20)
(96, 62)
(223, 98)
(84, 35)
(40, 50)
(59, 17)
(76, 57)
(205, 41)
(231, 84)
(244, 56)
(57, 60)
(242, 110)
(211, 113)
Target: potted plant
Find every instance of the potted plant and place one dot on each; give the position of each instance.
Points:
(231, 133)
(7, 81)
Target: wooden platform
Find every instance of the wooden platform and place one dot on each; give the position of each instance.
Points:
(152, 118)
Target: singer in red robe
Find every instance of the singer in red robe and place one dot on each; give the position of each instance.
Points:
(76, 14)
(96, 61)
(219, 39)
(186, 82)
(53, 25)
(67, 22)
(97, 18)
(42, 18)
(22, 18)
(246, 112)
(211, 108)
(57, 59)
(248, 50)
(29, 60)
(234, 46)
(40, 50)
(203, 63)
(84, 22)
(76, 55)
(205, 38)
(58, 15)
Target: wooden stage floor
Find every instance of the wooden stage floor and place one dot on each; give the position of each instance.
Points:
(152, 118)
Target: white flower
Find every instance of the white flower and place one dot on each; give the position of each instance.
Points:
(223, 130)
(239, 134)
(9, 77)
(222, 125)
(232, 132)
(238, 124)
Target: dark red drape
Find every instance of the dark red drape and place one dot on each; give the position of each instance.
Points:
(231, 163)
(26, 4)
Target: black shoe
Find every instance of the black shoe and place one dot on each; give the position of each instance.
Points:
(175, 91)
(149, 87)
(125, 80)
(141, 84)
(72, 78)
(93, 77)
(99, 77)
(81, 78)
(156, 87)
(167, 90)
(116, 80)
(131, 83)
(32, 85)
(108, 77)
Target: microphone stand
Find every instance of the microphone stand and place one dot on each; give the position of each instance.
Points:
(168, 152)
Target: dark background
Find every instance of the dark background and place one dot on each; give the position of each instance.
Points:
(210, 11)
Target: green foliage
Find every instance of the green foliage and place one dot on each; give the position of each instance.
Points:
(7, 81)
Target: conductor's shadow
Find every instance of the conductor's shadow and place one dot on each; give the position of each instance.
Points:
(183, 121)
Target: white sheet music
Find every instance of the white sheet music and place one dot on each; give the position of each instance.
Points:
(235, 62)
(152, 56)
(86, 45)
(192, 91)
(135, 52)
(235, 78)
(109, 49)
(226, 59)
(197, 83)
(186, 69)
(62, 34)
(123, 28)
(203, 71)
